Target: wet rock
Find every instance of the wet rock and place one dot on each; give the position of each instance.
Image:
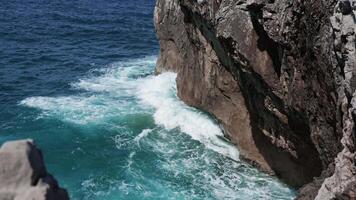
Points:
(345, 7)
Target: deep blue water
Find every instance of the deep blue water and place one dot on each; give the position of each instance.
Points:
(76, 76)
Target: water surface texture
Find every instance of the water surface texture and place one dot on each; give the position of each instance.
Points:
(77, 77)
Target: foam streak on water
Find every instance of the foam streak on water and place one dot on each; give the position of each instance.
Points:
(164, 149)
(160, 92)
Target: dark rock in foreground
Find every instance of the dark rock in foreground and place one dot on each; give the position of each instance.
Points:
(23, 175)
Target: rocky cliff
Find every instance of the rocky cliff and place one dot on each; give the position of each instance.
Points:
(278, 76)
(23, 175)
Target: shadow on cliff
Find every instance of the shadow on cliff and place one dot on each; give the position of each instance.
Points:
(296, 160)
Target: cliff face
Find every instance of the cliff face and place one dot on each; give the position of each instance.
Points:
(278, 77)
(23, 175)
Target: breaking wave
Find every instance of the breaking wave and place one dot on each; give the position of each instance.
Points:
(174, 151)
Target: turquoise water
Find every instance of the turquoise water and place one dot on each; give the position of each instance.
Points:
(77, 78)
(125, 135)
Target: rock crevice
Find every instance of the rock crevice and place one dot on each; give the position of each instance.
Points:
(271, 73)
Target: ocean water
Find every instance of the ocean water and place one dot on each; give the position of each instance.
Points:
(77, 77)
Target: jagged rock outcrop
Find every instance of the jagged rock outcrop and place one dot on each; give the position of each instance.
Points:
(23, 175)
(279, 78)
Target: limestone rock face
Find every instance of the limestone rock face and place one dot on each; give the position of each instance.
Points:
(279, 78)
(23, 175)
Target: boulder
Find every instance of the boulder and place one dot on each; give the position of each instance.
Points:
(23, 175)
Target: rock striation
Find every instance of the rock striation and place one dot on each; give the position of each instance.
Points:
(279, 76)
(23, 175)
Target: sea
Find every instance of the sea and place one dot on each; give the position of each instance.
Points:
(78, 78)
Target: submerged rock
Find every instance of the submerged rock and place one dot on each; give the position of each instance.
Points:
(278, 76)
(23, 175)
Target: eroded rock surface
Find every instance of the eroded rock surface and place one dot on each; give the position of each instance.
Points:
(278, 76)
(23, 175)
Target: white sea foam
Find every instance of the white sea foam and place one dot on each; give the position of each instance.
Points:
(143, 134)
(160, 93)
(126, 88)
(109, 95)
(219, 178)
(113, 93)
(119, 78)
(78, 109)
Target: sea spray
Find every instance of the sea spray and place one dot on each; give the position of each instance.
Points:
(164, 149)
(160, 92)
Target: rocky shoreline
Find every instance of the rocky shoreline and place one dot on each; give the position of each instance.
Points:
(279, 78)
